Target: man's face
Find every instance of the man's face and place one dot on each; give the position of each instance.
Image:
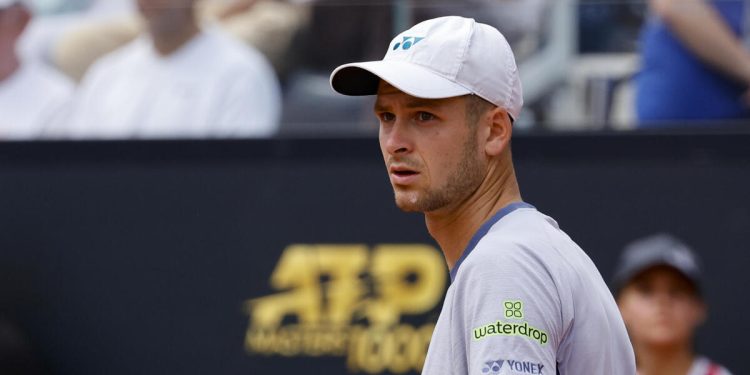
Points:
(160, 5)
(660, 307)
(164, 15)
(431, 153)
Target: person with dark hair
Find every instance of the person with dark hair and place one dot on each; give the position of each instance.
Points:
(658, 289)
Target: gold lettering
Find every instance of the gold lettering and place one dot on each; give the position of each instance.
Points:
(399, 350)
(259, 341)
(398, 294)
(356, 354)
(343, 263)
(297, 270)
(402, 340)
(371, 351)
(320, 294)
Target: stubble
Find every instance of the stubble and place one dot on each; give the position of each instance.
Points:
(464, 180)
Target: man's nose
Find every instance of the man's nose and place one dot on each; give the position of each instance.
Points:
(398, 140)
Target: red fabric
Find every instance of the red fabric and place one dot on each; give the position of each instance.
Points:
(713, 369)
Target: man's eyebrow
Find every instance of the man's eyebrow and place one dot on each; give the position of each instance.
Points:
(412, 103)
(418, 102)
(380, 107)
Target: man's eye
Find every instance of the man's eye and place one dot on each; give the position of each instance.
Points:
(387, 117)
(425, 116)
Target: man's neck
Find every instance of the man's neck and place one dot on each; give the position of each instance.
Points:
(167, 43)
(453, 227)
(664, 360)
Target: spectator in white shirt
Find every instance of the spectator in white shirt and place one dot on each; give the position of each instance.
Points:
(177, 81)
(53, 19)
(32, 96)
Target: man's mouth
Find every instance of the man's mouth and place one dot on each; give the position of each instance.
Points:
(402, 170)
(402, 175)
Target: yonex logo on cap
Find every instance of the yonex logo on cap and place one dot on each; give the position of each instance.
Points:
(407, 43)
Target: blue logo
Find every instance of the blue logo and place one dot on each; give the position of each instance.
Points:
(493, 367)
(407, 43)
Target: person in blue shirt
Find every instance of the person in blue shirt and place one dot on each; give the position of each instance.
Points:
(695, 66)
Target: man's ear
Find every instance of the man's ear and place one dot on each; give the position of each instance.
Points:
(500, 131)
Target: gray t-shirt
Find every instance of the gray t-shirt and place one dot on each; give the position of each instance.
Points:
(525, 299)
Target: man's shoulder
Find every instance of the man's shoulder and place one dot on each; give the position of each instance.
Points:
(528, 241)
(527, 220)
(124, 57)
(523, 231)
(516, 243)
(45, 79)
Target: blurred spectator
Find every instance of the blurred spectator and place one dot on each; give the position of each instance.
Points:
(54, 18)
(341, 31)
(177, 81)
(271, 26)
(268, 25)
(92, 36)
(359, 30)
(32, 96)
(520, 21)
(542, 34)
(609, 27)
(695, 66)
(337, 31)
(658, 289)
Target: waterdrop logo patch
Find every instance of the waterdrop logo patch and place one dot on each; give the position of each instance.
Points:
(513, 309)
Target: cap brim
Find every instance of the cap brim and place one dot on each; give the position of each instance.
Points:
(363, 78)
(626, 275)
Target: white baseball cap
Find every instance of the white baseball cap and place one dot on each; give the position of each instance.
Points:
(441, 58)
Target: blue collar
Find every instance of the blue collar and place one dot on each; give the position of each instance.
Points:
(483, 231)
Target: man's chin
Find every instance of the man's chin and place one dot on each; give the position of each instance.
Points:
(407, 207)
(407, 202)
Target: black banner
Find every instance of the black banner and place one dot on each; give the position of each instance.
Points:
(289, 256)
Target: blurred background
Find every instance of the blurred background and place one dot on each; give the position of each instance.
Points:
(586, 65)
(182, 192)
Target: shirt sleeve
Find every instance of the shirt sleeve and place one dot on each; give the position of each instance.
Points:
(509, 312)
